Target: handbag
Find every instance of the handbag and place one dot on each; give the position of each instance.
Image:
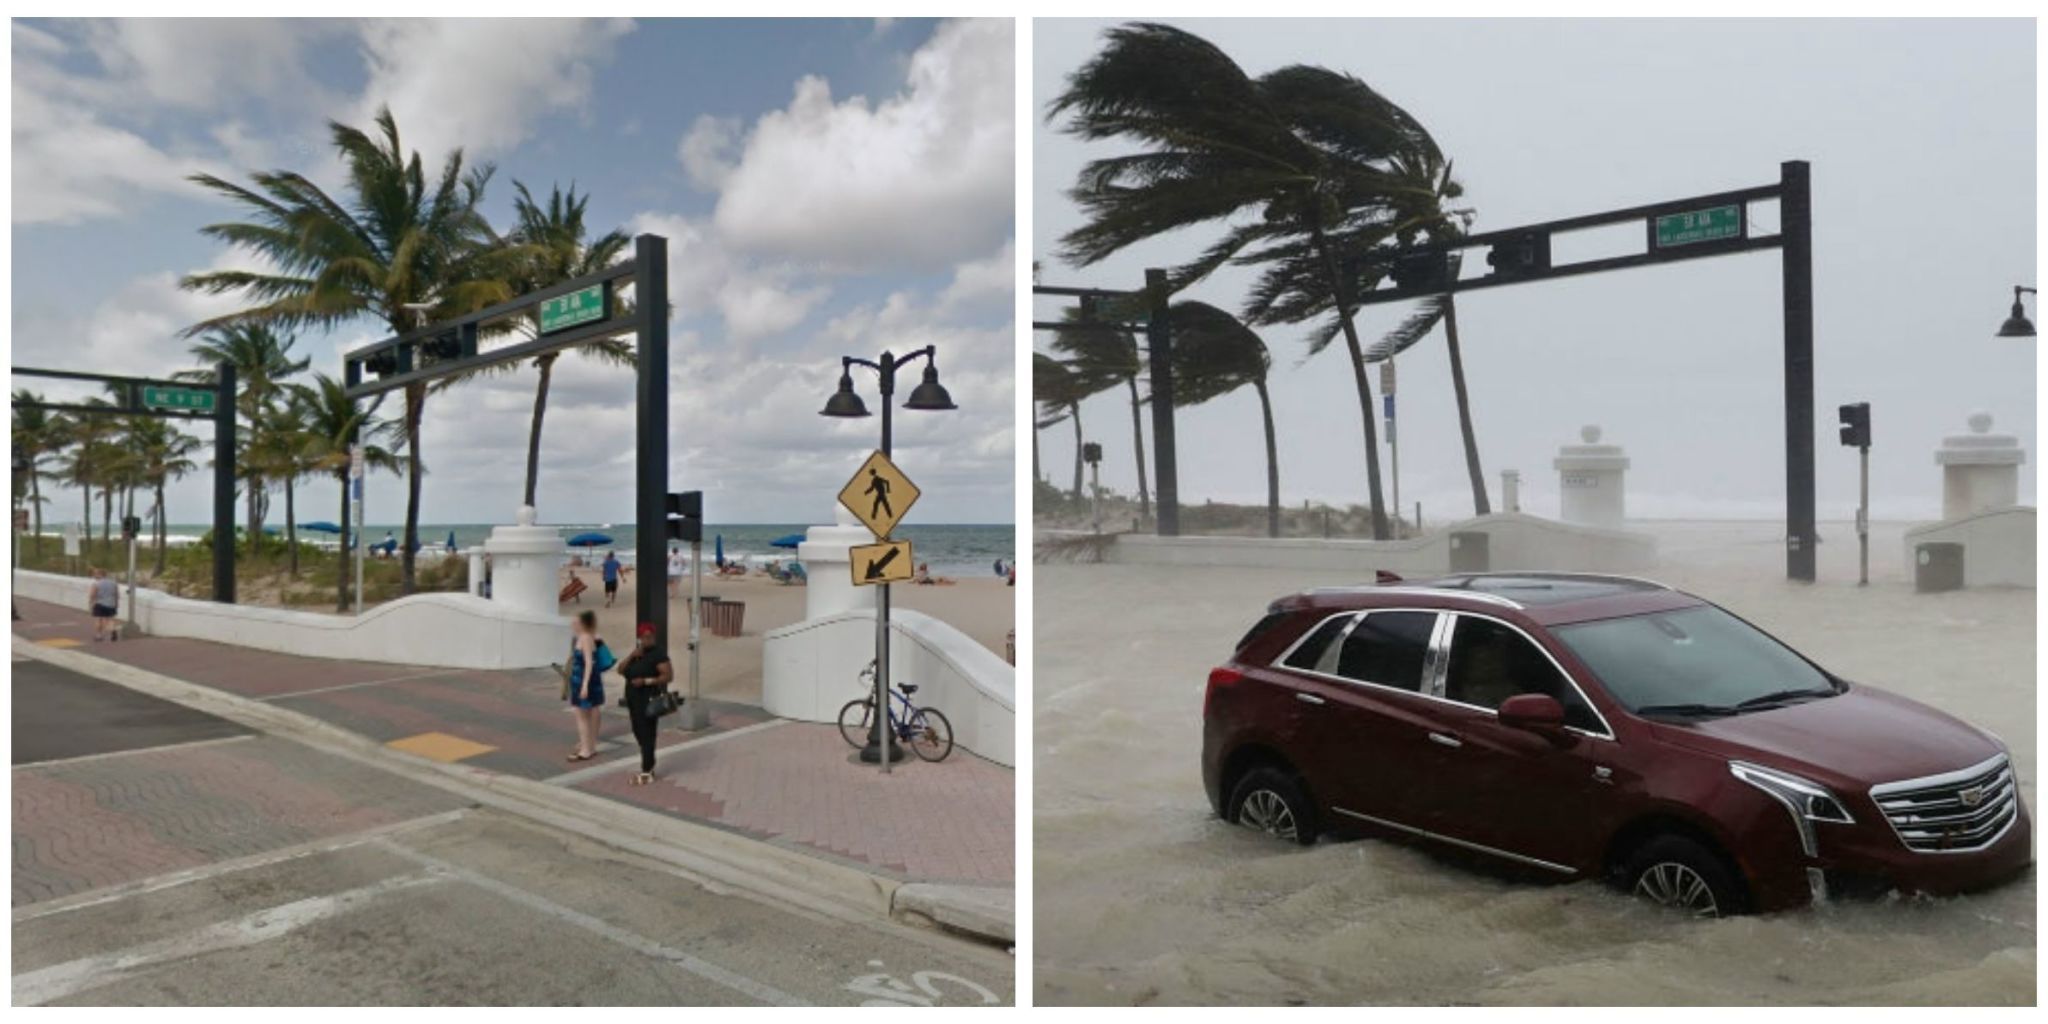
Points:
(664, 702)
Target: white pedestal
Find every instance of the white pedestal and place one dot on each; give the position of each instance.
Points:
(526, 565)
(1980, 470)
(829, 568)
(476, 569)
(1590, 478)
(1510, 490)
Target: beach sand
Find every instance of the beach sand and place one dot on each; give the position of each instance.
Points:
(983, 608)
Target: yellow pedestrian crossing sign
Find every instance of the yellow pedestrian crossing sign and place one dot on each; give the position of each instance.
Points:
(878, 495)
(887, 562)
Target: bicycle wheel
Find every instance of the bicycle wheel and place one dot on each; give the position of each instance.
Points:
(853, 722)
(931, 736)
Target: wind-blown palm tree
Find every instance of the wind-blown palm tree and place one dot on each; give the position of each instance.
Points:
(332, 423)
(1058, 391)
(263, 364)
(397, 242)
(1428, 313)
(1311, 153)
(162, 454)
(1102, 358)
(1214, 353)
(37, 437)
(549, 244)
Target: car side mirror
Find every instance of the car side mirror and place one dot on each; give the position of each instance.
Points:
(1536, 712)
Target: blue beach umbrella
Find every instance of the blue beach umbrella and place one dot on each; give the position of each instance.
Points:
(589, 540)
(451, 540)
(718, 547)
(789, 541)
(320, 526)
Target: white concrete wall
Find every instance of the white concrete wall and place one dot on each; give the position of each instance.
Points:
(433, 630)
(1515, 541)
(812, 668)
(1998, 546)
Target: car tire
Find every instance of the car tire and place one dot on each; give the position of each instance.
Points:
(1682, 873)
(1273, 801)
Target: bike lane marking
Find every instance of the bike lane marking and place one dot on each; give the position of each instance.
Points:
(586, 774)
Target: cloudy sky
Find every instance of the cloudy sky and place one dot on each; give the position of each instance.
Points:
(1922, 144)
(827, 188)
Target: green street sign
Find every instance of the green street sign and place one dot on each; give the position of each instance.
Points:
(1713, 224)
(578, 307)
(198, 400)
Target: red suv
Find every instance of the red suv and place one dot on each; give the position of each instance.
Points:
(1605, 727)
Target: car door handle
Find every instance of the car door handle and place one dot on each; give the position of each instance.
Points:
(1310, 698)
(1445, 741)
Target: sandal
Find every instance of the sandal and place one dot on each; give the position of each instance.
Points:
(573, 758)
(643, 779)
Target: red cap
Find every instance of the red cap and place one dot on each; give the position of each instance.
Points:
(647, 629)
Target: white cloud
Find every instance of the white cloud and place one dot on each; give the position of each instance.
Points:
(198, 63)
(479, 84)
(918, 181)
(69, 165)
(709, 151)
(754, 299)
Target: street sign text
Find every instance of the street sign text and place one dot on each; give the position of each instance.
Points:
(583, 306)
(199, 400)
(1713, 224)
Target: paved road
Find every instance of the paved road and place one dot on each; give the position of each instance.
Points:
(160, 862)
(59, 714)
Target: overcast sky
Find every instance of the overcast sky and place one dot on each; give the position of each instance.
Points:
(1921, 139)
(827, 188)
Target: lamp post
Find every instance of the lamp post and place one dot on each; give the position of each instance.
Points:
(2017, 325)
(846, 404)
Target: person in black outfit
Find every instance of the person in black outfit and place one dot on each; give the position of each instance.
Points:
(647, 671)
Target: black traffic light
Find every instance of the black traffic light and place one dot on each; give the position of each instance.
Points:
(1091, 453)
(686, 512)
(1519, 255)
(1428, 271)
(1855, 425)
(131, 527)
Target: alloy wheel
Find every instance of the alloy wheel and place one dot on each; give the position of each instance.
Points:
(1671, 884)
(1266, 811)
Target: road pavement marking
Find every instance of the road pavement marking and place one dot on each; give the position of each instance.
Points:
(439, 746)
(59, 641)
(585, 774)
(57, 981)
(702, 968)
(137, 750)
(139, 887)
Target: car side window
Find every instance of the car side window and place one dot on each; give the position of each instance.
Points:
(1309, 655)
(1491, 662)
(1389, 649)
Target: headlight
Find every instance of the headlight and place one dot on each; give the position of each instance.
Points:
(1805, 800)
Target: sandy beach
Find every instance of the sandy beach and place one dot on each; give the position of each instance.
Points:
(1143, 896)
(983, 608)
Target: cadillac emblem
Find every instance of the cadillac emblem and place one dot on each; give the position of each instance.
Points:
(1971, 797)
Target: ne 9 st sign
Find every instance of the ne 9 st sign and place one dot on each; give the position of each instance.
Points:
(1713, 224)
(583, 306)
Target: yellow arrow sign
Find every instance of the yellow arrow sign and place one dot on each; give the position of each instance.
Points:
(879, 494)
(887, 562)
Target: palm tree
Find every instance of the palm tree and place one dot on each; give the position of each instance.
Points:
(332, 423)
(1428, 313)
(400, 249)
(1214, 353)
(1103, 357)
(86, 465)
(263, 364)
(280, 449)
(1058, 391)
(1311, 153)
(162, 453)
(37, 437)
(549, 245)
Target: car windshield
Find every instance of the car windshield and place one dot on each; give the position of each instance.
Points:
(1693, 661)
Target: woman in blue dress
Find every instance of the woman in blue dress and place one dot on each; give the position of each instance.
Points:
(588, 659)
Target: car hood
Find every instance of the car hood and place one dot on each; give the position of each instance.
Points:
(1856, 740)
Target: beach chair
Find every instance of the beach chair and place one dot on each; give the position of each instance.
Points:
(573, 591)
(797, 573)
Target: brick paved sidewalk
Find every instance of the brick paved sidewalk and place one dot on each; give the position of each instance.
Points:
(794, 784)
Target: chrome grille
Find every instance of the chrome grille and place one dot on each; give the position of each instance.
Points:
(1952, 813)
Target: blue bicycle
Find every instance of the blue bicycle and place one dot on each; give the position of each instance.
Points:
(924, 731)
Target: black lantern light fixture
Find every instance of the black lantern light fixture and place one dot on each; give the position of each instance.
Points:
(2017, 325)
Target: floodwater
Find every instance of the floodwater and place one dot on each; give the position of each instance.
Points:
(1143, 897)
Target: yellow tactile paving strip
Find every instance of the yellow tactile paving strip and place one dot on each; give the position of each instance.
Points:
(439, 746)
(59, 641)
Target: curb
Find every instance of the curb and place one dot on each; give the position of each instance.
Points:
(714, 855)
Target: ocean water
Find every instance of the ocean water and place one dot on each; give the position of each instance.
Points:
(964, 550)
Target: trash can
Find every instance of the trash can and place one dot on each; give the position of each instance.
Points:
(1469, 551)
(725, 618)
(1938, 566)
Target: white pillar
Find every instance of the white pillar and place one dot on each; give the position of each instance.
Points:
(476, 569)
(829, 567)
(1980, 470)
(526, 564)
(1510, 490)
(1590, 478)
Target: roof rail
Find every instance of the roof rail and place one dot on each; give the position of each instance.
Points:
(1558, 574)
